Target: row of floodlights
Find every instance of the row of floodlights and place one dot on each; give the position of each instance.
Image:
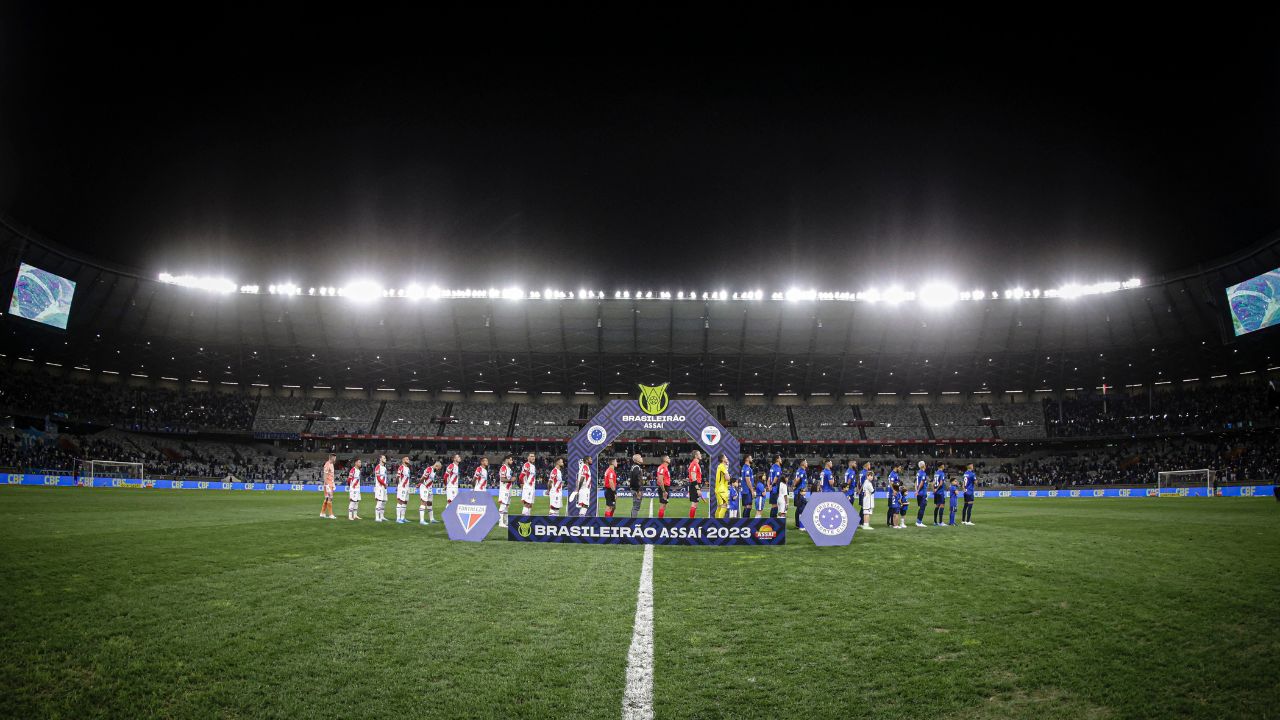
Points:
(932, 294)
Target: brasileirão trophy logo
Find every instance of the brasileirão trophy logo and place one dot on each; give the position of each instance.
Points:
(653, 399)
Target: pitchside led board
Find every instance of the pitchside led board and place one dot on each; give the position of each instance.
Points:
(42, 296)
(653, 410)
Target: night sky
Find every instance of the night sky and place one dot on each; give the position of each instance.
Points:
(268, 155)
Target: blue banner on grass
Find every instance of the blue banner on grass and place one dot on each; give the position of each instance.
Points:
(647, 531)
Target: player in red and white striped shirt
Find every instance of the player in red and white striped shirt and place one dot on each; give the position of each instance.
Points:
(451, 480)
(402, 490)
(505, 478)
(584, 487)
(555, 486)
(426, 486)
(481, 476)
(353, 491)
(380, 490)
(528, 484)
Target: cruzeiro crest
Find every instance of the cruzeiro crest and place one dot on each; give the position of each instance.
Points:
(653, 399)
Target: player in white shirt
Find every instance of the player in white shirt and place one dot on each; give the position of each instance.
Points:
(505, 478)
(402, 490)
(868, 498)
(782, 498)
(555, 486)
(528, 484)
(380, 490)
(426, 487)
(584, 487)
(451, 480)
(353, 491)
(481, 475)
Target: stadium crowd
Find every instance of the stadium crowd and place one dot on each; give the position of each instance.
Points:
(141, 409)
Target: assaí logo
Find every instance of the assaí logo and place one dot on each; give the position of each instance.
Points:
(766, 532)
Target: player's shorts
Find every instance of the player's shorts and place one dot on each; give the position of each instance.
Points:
(555, 500)
(610, 497)
(328, 493)
(425, 495)
(782, 504)
(664, 494)
(354, 495)
(380, 492)
(450, 493)
(968, 498)
(938, 500)
(759, 503)
(527, 493)
(504, 493)
(402, 494)
(868, 503)
(722, 499)
(694, 494)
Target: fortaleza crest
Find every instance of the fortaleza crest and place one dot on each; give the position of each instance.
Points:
(653, 399)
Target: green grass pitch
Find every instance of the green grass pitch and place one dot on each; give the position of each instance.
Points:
(155, 603)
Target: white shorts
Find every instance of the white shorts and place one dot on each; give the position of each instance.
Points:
(782, 504)
(380, 492)
(402, 494)
(868, 503)
(504, 493)
(527, 494)
(354, 494)
(450, 493)
(555, 499)
(424, 494)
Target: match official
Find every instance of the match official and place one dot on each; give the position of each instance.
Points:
(635, 476)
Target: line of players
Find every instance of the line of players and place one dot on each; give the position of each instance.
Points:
(450, 475)
(735, 496)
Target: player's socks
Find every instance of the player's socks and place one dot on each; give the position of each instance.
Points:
(422, 515)
(662, 511)
(693, 510)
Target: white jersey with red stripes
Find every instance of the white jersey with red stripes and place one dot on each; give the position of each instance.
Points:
(427, 483)
(528, 472)
(451, 477)
(481, 477)
(584, 487)
(504, 475)
(555, 486)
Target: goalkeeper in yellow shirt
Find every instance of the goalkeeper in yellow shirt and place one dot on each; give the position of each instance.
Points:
(722, 486)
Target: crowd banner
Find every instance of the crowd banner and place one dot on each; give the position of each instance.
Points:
(647, 531)
(206, 484)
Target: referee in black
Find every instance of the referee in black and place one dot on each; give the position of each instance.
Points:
(635, 477)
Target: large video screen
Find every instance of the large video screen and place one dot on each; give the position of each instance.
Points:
(42, 296)
(1255, 303)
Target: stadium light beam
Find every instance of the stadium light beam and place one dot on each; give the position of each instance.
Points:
(938, 295)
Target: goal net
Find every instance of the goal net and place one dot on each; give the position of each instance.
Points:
(94, 469)
(1207, 479)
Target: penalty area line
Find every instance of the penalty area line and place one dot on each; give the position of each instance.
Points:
(637, 698)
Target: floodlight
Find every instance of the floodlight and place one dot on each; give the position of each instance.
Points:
(938, 295)
(361, 291)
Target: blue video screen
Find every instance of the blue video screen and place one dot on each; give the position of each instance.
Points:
(42, 296)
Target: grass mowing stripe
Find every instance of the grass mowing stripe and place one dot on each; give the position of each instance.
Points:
(637, 699)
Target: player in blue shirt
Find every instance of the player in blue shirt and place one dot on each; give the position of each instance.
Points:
(828, 480)
(862, 476)
(895, 502)
(734, 495)
(775, 476)
(922, 492)
(748, 485)
(939, 493)
(801, 479)
(894, 477)
(953, 491)
(970, 481)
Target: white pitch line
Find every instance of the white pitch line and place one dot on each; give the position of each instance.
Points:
(637, 699)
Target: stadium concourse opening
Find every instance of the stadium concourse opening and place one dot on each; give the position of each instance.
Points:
(652, 412)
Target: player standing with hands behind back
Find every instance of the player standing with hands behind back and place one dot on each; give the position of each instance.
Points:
(635, 476)
(326, 508)
(695, 483)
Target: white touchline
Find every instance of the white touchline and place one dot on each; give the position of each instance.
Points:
(637, 699)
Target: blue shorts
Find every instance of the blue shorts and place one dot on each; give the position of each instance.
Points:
(968, 497)
(759, 503)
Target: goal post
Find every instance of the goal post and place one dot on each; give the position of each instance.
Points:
(1203, 478)
(94, 469)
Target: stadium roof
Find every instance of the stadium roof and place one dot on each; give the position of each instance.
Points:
(1172, 329)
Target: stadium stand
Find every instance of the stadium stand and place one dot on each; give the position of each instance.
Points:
(282, 415)
(964, 421)
(479, 419)
(824, 422)
(410, 418)
(1019, 421)
(759, 422)
(893, 422)
(351, 417)
(542, 420)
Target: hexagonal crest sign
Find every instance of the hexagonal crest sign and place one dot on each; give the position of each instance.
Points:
(829, 518)
(470, 516)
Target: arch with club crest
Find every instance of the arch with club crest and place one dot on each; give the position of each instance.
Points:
(620, 416)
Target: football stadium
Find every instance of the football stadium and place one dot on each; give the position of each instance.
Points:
(232, 488)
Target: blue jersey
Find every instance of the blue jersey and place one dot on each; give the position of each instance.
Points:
(893, 477)
(850, 476)
(775, 477)
(733, 498)
(827, 480)
(970, 479)
(940, 484)
(922, 483)
(748, 481)
(759, 488)
(953, 491)
(800, 480)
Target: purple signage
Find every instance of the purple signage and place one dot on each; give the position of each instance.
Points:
(829, 518)
(620, 417)
(470, 516)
